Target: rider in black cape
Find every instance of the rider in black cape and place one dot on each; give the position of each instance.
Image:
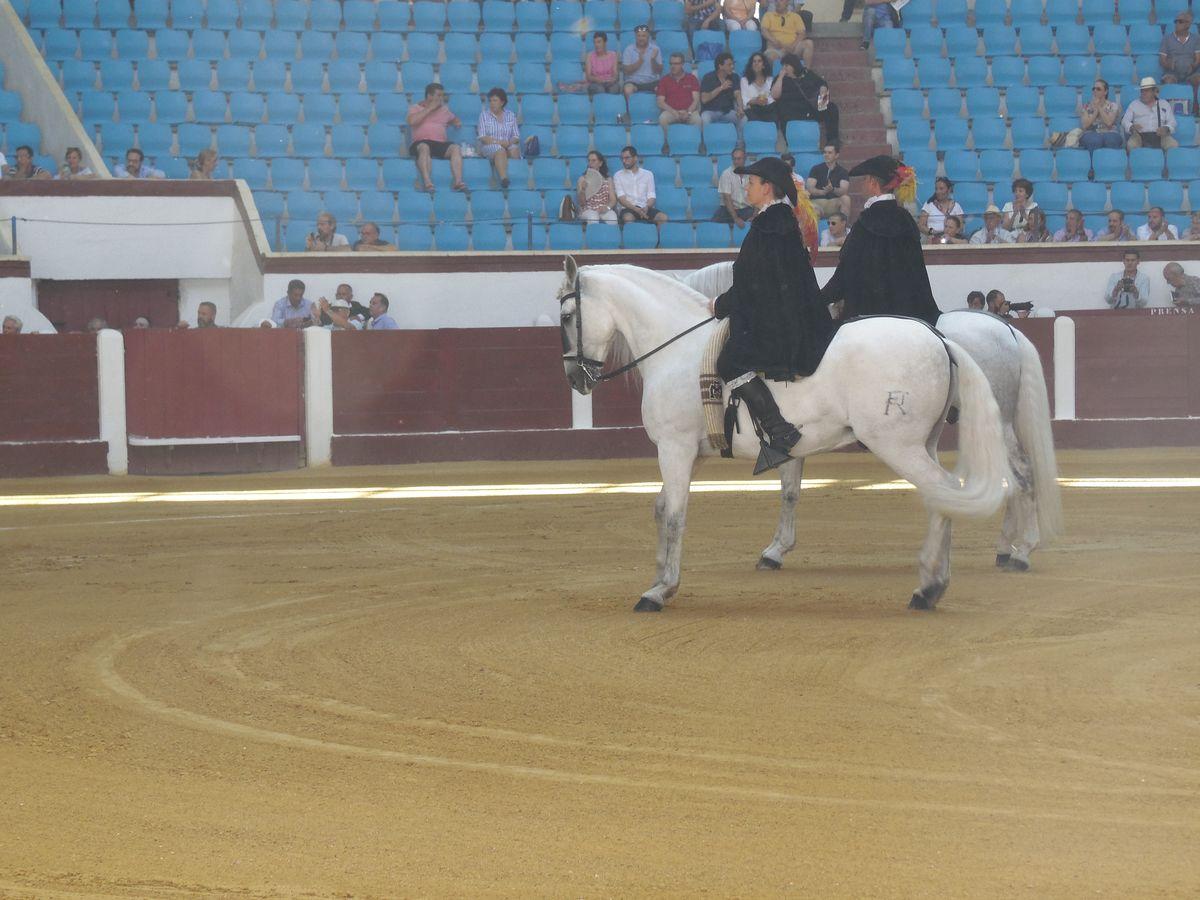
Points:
(778, 324)
(881, 269)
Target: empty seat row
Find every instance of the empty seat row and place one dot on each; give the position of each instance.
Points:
(1019, 100)
(995, 132)
(1026, 40)
(1056, 12)
(1142, 164)
(1006, 71)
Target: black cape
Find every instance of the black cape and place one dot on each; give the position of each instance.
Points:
(881, 270)
(778, 324)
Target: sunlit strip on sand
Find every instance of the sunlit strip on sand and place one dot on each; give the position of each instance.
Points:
(483, 491)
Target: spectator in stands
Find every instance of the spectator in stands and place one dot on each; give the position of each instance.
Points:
(135, 166)
(802, 94)
(1185, 289)
(678, 96)
(839, 230)
(953, 233)
(369, 239)
(326, 238)
(96, 324)
(1149, 121)
(141, 323)
(993, 231)
(25, 168)
(335, 315)
(1128, 288)
(499, 135)
(784, 33)
(201, 168)
(12, 325)
(1116, 229)
(1193, 230)
(1016, 211)
(1073, 231)
(1035, 230)
(997, 304)
(932, 219)
(1157, 228)
(756, 89)
(73, 168)
(428, 121)
(635, 190)
(600, 67)
(380, 320)
(1098, 120)
(206, 316)
(975, 300)
(595, 194)
(701, 15)
(267, 323)
(828, 185)
(876, 14)
(720, 96)
(294, 310)
(1179, 54)
(641, 63)
(735, 209)
(739, 15)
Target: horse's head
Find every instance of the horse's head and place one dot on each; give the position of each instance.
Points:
(584, 344)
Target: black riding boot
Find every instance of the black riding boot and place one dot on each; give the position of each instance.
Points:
(781, 434)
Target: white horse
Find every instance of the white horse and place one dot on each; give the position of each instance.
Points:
(1010, 362)
(886, 382)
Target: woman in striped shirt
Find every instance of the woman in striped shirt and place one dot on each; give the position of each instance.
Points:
(499, 136)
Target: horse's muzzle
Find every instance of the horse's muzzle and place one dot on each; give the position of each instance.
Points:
(578, 377)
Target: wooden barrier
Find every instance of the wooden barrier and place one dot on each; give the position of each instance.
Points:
(213, 400)
(50, 406)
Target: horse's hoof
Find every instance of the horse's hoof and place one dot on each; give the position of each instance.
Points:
(766, 564)
(1012, 564)
(918, 601)
(1002, 559)
(646, 604)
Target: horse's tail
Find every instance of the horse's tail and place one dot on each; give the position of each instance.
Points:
(982, 457)
(1032, 425)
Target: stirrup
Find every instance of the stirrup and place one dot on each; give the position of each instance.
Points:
(769, 458)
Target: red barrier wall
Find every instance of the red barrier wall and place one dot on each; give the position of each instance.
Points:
(221, 382)
(50, 406)
(469, 379)
(1137, 364)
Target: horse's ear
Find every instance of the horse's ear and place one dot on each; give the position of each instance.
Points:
(571, 268)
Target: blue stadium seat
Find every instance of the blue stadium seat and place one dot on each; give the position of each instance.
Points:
(972, 197)
(898, 72)
(233, 75)
(319, 109)
(308, 139)
(609, 109)
(609, 139)
(463, 16)
(961, 165)
(221, 15)
(316, 45)
(672, 200)
(351, 46)
(714, 234)
(532, 17)
(918, 12)
(663, 168)
(720, 138)
(1109, 38)
(666, 13)
(362, 175)
(933, 71)
(970, 71)
(209, 106)
(387, 46)
(384, 140)
(394, 18)
(400, 175)
(924, 162)
(348, 141)
(696, 171)
(150, 15)
(269, 203)
(1071, 39)
(296, 236)
(415, 238)
(177, 167)
(1098, 12)
(1167, 194)
(45, 14)
(602, 15)
(565, 71)
(498, 15)
(1129, 196)
(344, 76)
(642, 108)
(523, 203)
(982, 101)
(925, 41)
(115, 74)
(382, 76)
(951, 12)
(414, 206)
(193, 138)
(1183, 164)
(195, 75)
(173, 45)
(456, 77)
(246, 108)
(254, 172)
(325, 15)
(907, 103)
(488, 237)
(422, 48)
(116, 137)
(113, 14)
(95, 106)
(705, 201)
(290, 15)
(961, 40)
(246, 45)
(154, 138)
(378, 206)
(1008, 71)
(950, 134)
(1001, 40)
(170, 106)
(132, 44)
(601, 236)
(565, 236)
(1061, 100)
(487, 206)
(1117, 70)
(1147, 65)
(1028, 132)
(1144, 38)
(889, 43)
(649, 138)
(354, 109)
(1079, 71)
(518, 173)
(529, 77)
(565, 15)
(802, 135)
(913, 134)
(1051, 196)
(1145, 164)
(573, 140)
(1062, 12)
(270, 141)
(759, 138)
(677, 235)
(996, 166)
(133, 108)
(1044, 71)
(460, 48)
(945, 101)
(233, 140)
(451, 238)
(639, 236)
(549, 173)
(283, 109)
(574, 109)
(78, 75)
(360, 15)
(683, 139)
(343, 205)
(153, 75)
(490, 75)
(1089, 197)
(1072, 165)
(1021, 102)
(307, 76)
(1036, 40)
(1037, 165)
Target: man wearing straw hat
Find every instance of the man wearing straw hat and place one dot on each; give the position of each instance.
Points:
(1149, 121)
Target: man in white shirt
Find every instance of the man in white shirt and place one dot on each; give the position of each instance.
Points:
(1157, 228)
(326, 238)
(635, 191)
(1129, 288)
(1149, 121)
(991, 232)
(735, 208)
(135, 166)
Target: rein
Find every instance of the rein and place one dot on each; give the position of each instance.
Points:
(591, 367)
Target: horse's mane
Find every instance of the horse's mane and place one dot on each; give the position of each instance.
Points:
(711, 281)
(638, 273)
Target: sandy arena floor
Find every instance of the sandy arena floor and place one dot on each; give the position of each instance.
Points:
(451, 697)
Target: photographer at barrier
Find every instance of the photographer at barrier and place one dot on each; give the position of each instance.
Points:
(1129, 288)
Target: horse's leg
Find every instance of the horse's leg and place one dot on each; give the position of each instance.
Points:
(670, 511)
(1020, 532)
(933, 564)
(790, 475)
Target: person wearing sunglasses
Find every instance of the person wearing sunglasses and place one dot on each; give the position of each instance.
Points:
(1179, 54)
(1099, 118)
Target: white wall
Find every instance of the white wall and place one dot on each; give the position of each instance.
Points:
(194, 291)
(16, 299)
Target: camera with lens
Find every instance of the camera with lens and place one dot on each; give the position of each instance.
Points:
(1018, 307)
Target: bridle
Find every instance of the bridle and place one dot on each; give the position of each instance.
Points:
(591, 368)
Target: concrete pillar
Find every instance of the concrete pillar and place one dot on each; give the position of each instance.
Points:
(1064, 368)
(110, 373)
(318, 396)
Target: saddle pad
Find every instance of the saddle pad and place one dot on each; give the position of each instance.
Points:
(711, 393)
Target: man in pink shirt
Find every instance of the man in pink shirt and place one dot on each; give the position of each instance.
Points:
(428, 121)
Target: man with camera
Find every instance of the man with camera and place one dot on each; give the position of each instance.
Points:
(1129, 288)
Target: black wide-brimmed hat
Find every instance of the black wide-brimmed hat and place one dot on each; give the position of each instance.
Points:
(774, 170)
(881, 167)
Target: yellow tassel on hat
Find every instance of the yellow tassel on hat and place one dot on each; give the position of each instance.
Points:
(906, 190)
